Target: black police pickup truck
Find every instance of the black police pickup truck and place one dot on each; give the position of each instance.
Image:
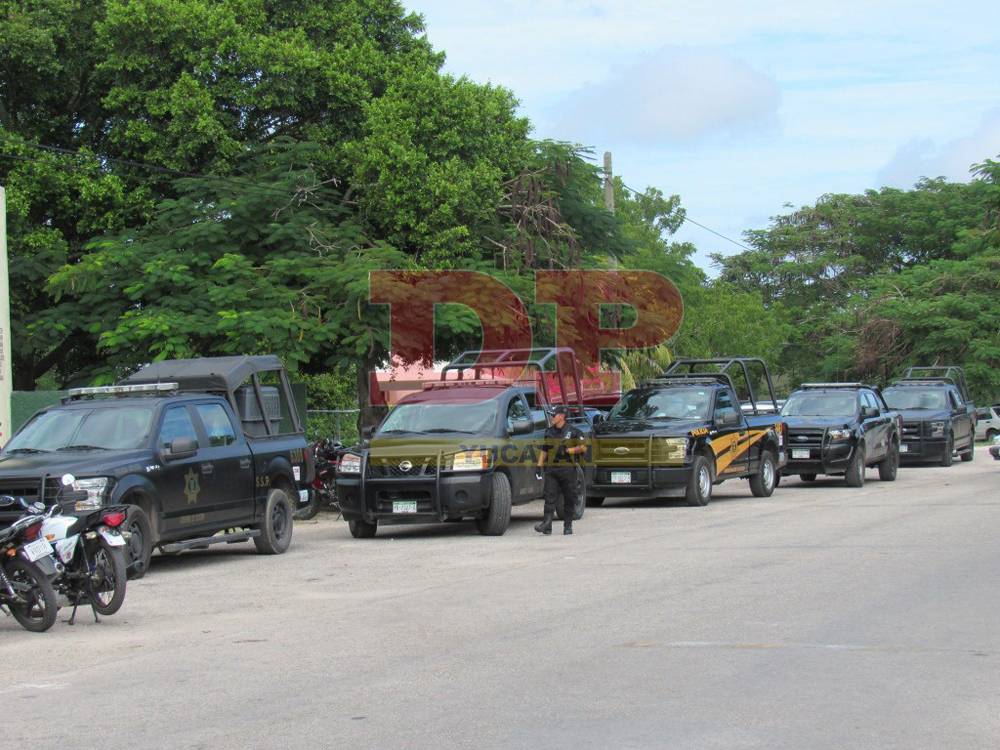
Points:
(168, 442)
(683, 432)
(464, 448)
(840, 429)
(939, 417)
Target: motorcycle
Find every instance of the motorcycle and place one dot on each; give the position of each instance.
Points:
(323, 493)
(91, 549)
(27, 565)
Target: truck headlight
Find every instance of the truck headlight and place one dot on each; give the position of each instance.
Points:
(936, 429)
(350, 463)
(95, 487)
(839, 434)
(469, 461)
(671, 450)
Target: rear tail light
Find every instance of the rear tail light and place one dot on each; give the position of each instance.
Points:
(114, 519)
(31, 533)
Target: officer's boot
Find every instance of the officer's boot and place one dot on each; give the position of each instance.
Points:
(545, 527)
(567, 526)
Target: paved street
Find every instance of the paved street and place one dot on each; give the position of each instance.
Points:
(823, 617)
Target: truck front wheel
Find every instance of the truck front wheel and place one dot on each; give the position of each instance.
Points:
(699, 489)
(497, 517)
(276, 528)
(140, 542)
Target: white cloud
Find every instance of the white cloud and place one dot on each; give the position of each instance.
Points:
(925, 158)
(675, 95)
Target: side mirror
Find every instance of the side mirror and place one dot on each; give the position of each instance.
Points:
(868, 412)
(598, 419)
(367, 431)
(726, 419)
(522, 427)
(180, 448)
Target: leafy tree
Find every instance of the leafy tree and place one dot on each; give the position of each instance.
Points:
(188, 85)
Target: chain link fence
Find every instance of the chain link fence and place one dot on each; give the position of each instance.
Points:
(339, 424)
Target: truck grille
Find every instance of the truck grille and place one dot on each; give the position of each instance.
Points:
(401, 466)
(622, 451)
(911, 429)
(805, 437)
(30, 488)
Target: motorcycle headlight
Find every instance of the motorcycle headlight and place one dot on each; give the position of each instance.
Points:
(469, 461)
(839, 434)
(936, 429)
(95, 488)
(350, 463)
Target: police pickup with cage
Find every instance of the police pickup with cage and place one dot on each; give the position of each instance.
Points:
(841, 429)
(167, 442)
(939, 417)
(462, 448)
(680, 434)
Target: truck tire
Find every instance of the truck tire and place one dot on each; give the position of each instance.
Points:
(855, 474)
(888, 467)
(699, 489)
(807, 477)
(762, 483)
(497, 516)
(139, 548)
(361, 529)
(276, 528)
(969, 454)
(949, 451)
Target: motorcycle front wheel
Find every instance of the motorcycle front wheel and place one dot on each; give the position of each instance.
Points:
(106, 582)
(311, 510)
(36, 605)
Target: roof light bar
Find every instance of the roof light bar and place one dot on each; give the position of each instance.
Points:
(122, 390)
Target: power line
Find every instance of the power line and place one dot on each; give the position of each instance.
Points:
(698, 224)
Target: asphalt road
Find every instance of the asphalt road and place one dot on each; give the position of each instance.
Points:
(823, 617)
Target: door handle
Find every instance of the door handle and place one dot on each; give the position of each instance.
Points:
(244, 463)
(207, 468)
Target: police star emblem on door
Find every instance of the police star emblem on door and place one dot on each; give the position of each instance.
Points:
(192, 486)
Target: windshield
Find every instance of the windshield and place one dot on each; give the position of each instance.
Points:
(812, 404)
(118, 428)
(916, 398)
(668, 403)
(475, 418)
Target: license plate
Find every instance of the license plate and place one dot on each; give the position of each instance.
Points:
(621, 477)
(800, 453)
(904, 448)
(404, 506)
(303, 497)
(37, 549)
(113, 538)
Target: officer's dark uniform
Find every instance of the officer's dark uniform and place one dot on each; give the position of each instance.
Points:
(561, 471)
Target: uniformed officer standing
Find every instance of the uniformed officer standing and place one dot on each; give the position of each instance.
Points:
(559, 458)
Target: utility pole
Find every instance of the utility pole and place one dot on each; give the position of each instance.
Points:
(6, 374)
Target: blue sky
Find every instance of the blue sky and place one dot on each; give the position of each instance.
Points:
(744, 107)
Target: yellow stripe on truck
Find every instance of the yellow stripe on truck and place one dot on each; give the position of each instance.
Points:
(730, 447)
